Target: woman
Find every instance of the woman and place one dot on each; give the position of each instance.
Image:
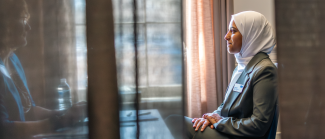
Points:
(20, 118)
(250, 103)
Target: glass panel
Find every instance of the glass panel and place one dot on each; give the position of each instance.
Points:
(125, 62)
(43, 69)
(123, 11)
(163, 10)
(164, 54)
(81, 62)
(160, 67)
(80, 6)
(124, 44)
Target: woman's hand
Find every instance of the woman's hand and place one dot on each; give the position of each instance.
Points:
(212, 117)
(76, 113)
(198, 122)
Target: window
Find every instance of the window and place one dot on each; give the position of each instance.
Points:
(159, 42)
(81, 49)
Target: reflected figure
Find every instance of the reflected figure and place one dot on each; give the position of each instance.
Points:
(20, 118)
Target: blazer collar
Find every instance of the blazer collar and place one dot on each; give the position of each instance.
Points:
(253, 62)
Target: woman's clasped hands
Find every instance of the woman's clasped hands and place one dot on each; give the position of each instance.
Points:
(207, 119)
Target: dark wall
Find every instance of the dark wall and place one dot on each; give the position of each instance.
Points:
(301, 55)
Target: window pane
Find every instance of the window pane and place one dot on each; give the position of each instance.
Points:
(163, 10)
(160, 66)
(124, 44)
(80, 6)
(81, 54)
(164, 54)
(124, 36)
(125, 62)
(123, 11)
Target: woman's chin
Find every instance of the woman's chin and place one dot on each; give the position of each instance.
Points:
(17, 45)
(21, 43)
(230, 51)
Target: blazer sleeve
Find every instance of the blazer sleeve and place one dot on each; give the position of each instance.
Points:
(264, 100)
(218, 111)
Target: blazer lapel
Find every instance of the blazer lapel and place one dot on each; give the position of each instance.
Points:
(243, 79)
(233, 95)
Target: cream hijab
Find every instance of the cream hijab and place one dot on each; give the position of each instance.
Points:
(258, 36)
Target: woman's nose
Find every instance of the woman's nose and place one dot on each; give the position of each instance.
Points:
(227, 36)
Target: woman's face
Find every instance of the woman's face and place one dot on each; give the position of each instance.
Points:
(22, 27)
(19, 31)
(234, 39)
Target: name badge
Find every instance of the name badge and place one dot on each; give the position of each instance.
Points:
(238, 87)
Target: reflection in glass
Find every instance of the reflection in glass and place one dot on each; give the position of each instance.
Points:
(126, 15)
(163, 11)
(124, 42)
(164, 54)
(159, 64)
(81, 57)
(40, 80)
(80, 11)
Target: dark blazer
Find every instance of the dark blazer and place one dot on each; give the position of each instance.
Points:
(250, 113)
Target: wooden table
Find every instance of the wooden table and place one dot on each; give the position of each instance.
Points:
(155, 129)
